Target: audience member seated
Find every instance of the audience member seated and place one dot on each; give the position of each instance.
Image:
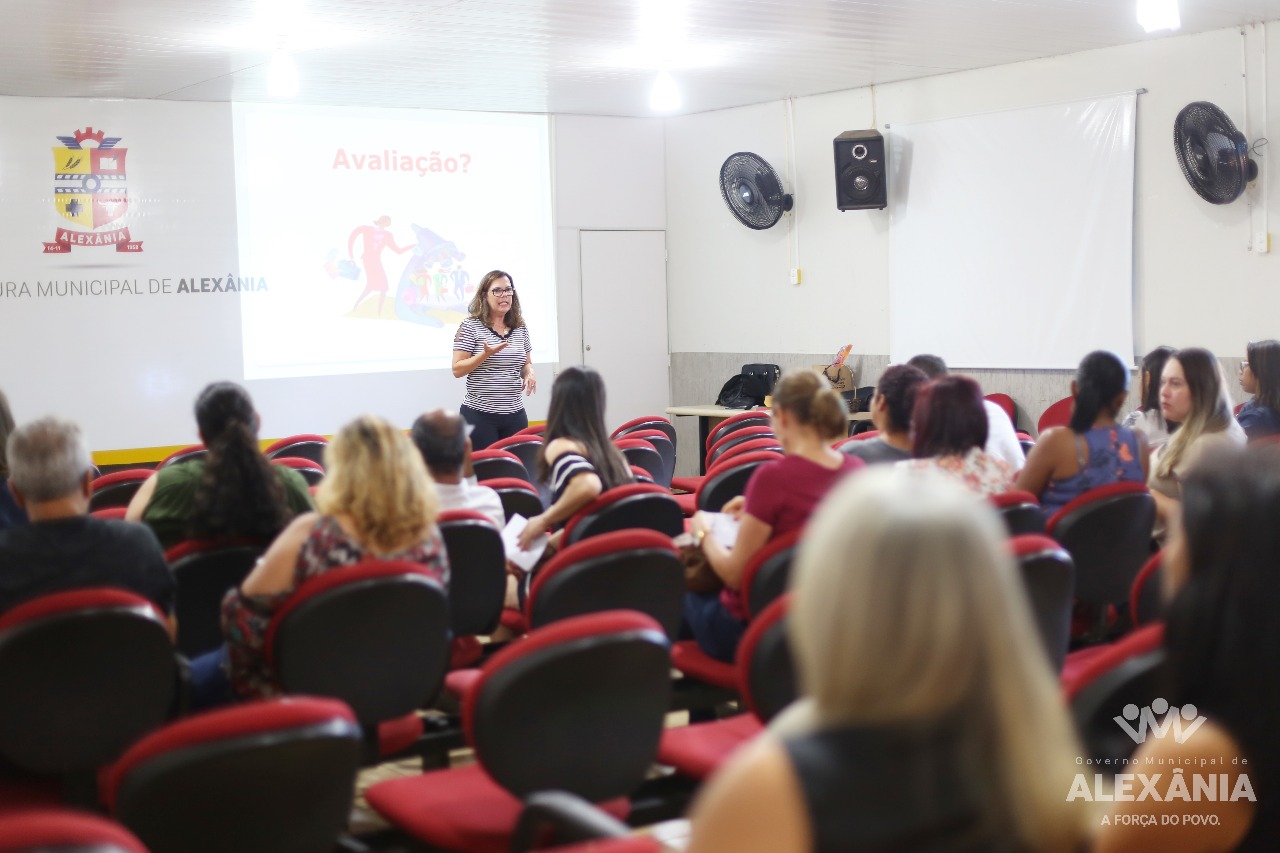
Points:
(442, 439)
(64, 547)
(577, 459)
(1222, 647)
(929, 717)
(11, 515)
(1002, 439)
(1147, 420)
(949, 428)
(807, 416)
(376, 502)
(233, 493)
(1260, 376)
(891, 413)
(1093, 450)
(1193, 393)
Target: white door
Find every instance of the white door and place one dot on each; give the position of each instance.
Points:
(624, 319)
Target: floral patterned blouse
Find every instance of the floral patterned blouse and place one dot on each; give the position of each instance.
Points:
(977, 471)
(245, 618)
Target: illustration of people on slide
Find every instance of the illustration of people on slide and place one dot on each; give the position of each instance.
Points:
(433, 288)
(375, 239)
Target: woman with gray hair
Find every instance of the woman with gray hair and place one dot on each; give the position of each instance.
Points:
(929, 717)
(11, 515)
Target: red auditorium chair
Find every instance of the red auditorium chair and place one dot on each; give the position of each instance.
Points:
(563, 818)
(83, 674)
(767, 443)
(641, 454)
(1025, 441)
(494, 464)
(753, 417)
(1048, 575)
(312, 472)
(646, 423)
(1146, 598)
(518, 497)
(64, 831)
(533, 429)
(1020, 511)
(185, 454)
(304, 446)
(263, 777)
(1107, 531)
(757, 443)
(477, 579)
(1005, 402)
(1127, 673)
(765, 578)
(376, 636)
(1059, 414)
(666, 449)
(526, 448)
(112, 512)
(622, 570)
(634, 505)
(736, 437)
(765, 677)
(860, 436)
(577, 706)
(204, 571)
(727, 482)
(117, 488)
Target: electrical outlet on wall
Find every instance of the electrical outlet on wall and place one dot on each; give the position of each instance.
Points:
(795, 275)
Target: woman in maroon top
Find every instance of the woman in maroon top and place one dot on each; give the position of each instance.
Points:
(807, 417)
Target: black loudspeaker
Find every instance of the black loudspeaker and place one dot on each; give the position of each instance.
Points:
(862, 171)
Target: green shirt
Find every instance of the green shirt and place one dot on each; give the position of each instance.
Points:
(171, 503)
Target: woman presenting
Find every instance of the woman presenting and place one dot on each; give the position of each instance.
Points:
(492, 350)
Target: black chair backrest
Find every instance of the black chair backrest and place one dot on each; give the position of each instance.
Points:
(767, 581)
(548, 708)
(519, 502)
(1136, 682)
(770, 669)
(720, 488)
(203, 579)
(657, 423)
(83, 683)
(1048, 575)
(378, 643)
(1109, 540)
(306, 449)
(625, 570)
(633, 507)
(1022, 517)
(738, 436)
(477, 572)
(667, 450)
(723, 429)
(527, 450)
(650, 460)
(1150, 601)
(492, 469)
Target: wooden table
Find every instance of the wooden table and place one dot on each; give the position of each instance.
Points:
(710, 415)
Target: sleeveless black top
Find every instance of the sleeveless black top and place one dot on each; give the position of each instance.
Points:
(894, 789)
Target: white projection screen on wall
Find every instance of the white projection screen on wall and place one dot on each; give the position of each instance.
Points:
(1011, 235)
(376, 226)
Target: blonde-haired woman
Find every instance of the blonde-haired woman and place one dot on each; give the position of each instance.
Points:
(376, 502)
(929, 716)
(1193, 393)
(807, 416)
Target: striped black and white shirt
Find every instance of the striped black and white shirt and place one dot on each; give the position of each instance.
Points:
(495, 386)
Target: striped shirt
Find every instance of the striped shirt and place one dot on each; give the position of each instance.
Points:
(495, 386)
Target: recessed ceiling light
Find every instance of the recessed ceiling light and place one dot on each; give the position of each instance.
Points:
(664, 97)
(1156, 15)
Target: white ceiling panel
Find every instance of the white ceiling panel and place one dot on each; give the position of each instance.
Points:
(562, 56)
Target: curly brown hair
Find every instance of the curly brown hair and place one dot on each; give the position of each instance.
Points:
(479, 307)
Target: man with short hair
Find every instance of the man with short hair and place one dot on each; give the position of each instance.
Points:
(64, 548)
(891, 407)
(441, 438)
(1002, 441)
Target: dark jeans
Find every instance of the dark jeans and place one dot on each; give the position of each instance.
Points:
(714, 628)
(210, 687)
(490, 427)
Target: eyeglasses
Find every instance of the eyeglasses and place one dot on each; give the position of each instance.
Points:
(1244, 365)
(503, 291)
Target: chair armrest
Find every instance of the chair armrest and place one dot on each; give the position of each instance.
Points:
(567, 817)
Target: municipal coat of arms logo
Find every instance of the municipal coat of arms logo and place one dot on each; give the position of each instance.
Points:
(89, 191)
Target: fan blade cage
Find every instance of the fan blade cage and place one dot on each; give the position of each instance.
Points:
(1212, 154)
(752, 191)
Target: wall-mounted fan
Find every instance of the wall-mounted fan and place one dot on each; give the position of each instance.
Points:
(752, 190)
(1213, 155)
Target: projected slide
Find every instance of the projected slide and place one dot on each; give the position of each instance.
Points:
(373, 228)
